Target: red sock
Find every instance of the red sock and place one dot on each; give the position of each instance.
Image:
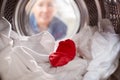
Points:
(65, 52)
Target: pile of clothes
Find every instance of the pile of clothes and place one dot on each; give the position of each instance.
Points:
(92, 54)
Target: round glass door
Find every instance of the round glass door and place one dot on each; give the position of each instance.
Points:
(61, 18)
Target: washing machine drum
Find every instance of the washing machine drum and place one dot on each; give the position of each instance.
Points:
(64, 16)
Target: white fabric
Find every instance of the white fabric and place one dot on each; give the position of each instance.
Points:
(41, 43)
(22, 58)
(16, 63)
(100, 47)
(4, 29)
(105, 47)
(83, 41)
(72, 71)
(26, 57)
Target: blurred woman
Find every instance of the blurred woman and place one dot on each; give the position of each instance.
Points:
(43, 18)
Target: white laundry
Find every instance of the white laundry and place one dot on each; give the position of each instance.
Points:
(83, 41)
(103, 46)
(23, 56)
(72, 71)
(26, 57)
(16, 63)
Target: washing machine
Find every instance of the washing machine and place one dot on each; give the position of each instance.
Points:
(74, 13)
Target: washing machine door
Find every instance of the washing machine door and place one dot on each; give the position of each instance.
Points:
(71, 14)
(80, 13)
(68, 18)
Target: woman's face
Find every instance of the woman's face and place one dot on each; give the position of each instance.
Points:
(44, 10)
